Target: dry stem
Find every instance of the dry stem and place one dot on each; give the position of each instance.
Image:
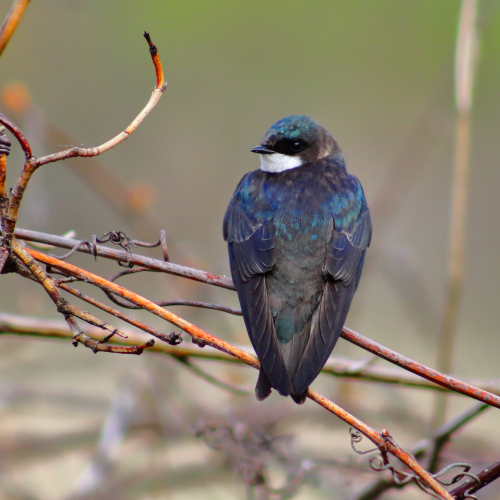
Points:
(383, 440)
(32, 164)
(464, 75)
(11, 21)
(335, 366)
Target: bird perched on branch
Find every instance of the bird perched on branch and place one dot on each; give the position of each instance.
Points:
(297, 232)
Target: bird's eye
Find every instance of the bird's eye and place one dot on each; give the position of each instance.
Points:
(298, 146)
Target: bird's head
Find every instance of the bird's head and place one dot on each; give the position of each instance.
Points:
(294, 141)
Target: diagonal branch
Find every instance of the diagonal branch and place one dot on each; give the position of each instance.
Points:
(335, 366)
(470, 486)
(423, 447)
(383, 441)
(349, 335)
(11, 21)
(70, 311)
(419, 369)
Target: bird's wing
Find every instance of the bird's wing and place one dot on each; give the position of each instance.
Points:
(252, 254)
(344, 263)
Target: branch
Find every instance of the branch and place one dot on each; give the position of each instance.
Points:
(70, 311)
(11, 21)
(114, 312)
(383, 441)
(223, 282)
(470, 486)
(36, 327)
(422, 448)
(133, 259)
(9, 219)
(335, 366)
(419, 369)
(122, 136)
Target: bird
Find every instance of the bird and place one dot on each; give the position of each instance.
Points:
(297, 231)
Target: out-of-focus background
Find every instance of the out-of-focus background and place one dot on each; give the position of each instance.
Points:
(379, 75)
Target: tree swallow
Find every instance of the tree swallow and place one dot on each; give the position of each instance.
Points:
(297, 232)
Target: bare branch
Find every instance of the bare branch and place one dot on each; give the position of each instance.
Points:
(211, 379)
(121, 256)
(424, 447)
(335, 366)
(349, 335)
(419, 369)
(9, 218)
(11, 21)
(70, 311)
(114, 312)
(384, 441)
(485, 477)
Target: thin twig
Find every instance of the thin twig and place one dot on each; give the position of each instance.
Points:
(32, 163)
(121, 256)
(425, 447)
(335, 366)
(211, 379)
(384, 441)
(11, 21)
(114, 312)
(440, 438)
(486, 476)
(70, 311)
(179, 302)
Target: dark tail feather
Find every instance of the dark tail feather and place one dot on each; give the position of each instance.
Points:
(263, 387)
(299, 398)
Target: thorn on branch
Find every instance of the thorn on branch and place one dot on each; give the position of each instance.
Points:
(106, 339)
(199, 342)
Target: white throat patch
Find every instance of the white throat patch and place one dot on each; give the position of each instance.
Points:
(278, 162)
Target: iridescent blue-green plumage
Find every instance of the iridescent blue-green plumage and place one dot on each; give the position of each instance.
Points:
(297, 241)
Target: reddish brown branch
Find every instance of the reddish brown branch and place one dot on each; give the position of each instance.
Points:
(114, 312)
(470, 486)
(16, 132)
(153, 50)
(384, 441)
(349, 335)
(419, 369)
(11, 21)
(70, 311)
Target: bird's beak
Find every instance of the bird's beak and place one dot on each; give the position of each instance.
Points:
(262, 150)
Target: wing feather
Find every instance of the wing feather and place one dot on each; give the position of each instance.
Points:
(252, 254)
(344, 264)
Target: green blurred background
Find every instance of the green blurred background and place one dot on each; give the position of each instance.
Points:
(379, 75)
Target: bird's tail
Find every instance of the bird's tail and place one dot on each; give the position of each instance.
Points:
(263, 387)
